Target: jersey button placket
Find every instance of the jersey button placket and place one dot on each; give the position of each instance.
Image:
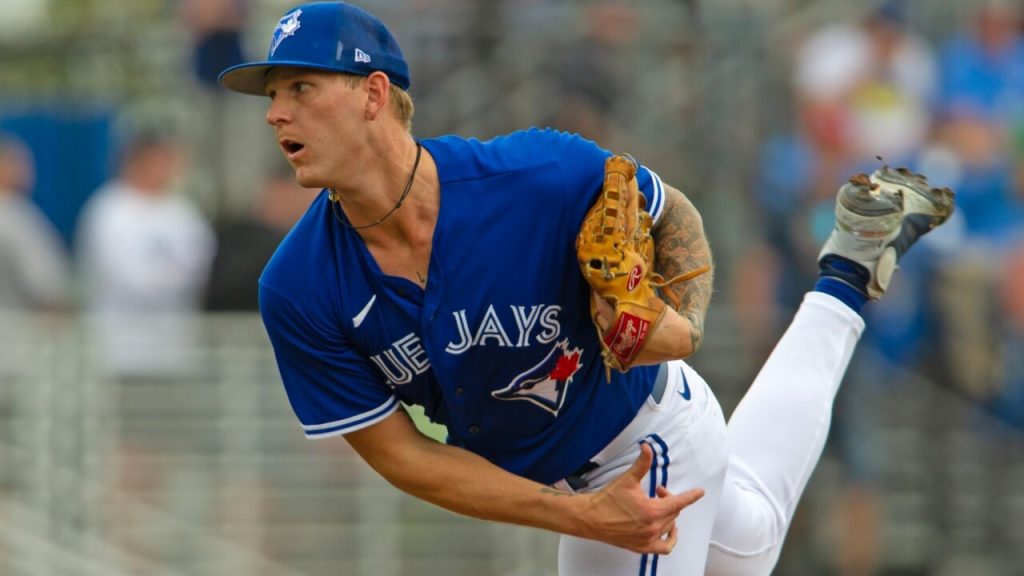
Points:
(474, 430)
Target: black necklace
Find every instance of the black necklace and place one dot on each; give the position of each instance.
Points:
(336, 200)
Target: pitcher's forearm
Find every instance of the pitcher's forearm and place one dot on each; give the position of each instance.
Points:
(463, 482)
(681, 246)
(467, 484)
(622, 513)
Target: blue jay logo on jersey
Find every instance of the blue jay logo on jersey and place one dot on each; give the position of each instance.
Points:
(546, 383)
(286, 26)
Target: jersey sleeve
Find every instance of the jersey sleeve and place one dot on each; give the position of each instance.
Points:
(331, 387)
(653, 189)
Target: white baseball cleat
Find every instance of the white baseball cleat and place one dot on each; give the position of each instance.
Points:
(878, 218)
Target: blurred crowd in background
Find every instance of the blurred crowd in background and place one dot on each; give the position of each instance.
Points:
(138, 196)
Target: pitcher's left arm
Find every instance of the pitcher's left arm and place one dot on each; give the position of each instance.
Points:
(680, 245)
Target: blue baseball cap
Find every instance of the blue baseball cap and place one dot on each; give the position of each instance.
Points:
(330, 36)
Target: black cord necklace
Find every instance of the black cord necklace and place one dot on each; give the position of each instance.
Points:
(336, 199)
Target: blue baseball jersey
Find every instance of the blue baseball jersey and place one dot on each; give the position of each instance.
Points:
(499, 345)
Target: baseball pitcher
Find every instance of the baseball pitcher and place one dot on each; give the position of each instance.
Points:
(537, 294)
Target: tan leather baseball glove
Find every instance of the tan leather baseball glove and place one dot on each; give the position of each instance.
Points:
(615, 251)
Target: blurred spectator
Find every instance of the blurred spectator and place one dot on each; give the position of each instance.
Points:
(981, 105)
(216, 30)
(34, 267)
(246, 243)
(869, 85)
(216, 27)
(144, 253)
(891, 105)
(34, 277)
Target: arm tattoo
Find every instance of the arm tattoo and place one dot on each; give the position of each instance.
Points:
(681, 246)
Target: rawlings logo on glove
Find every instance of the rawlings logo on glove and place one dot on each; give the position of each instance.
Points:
(615, 251)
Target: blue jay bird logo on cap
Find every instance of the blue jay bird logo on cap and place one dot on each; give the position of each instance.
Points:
(286, 27)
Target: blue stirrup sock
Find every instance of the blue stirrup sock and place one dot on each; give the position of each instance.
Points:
(844, 280)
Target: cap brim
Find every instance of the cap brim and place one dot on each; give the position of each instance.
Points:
(246, 78)
(251, 77)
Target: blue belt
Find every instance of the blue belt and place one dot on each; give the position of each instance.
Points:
(575, 480)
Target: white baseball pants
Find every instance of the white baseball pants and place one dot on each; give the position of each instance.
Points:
(752, 470)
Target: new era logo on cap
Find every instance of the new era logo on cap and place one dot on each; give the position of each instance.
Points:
(314, 36)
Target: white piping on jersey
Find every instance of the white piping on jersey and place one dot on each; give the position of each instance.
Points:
(355, 427)
(358, 318)
(369, 417)
(658, 201)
